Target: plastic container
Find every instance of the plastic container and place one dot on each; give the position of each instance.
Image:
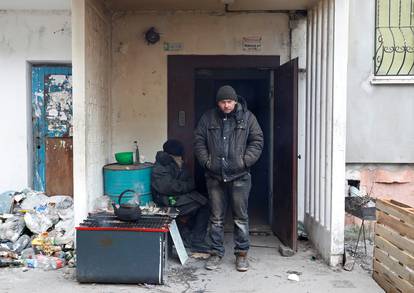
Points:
(46, 263)
(124, 158)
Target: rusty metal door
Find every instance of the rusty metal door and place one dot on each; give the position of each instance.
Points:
(52, 129)
(284, 223)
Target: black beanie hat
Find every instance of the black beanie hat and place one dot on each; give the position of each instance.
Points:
(226, 92)
(173, 147)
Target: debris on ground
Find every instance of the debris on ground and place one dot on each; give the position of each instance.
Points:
(200, 255)
(293, 277)
(302, 235)
(285, 251)
(349, 261)
(36, 231)
(361, 258)
(294, 272)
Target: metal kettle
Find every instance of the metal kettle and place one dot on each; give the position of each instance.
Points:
(127, 212)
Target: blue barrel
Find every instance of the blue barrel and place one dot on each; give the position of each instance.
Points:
(118, 178)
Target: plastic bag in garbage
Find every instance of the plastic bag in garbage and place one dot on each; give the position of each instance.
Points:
(21, 243)
(66, 214)
(63, 206)
(61, 201)
(27, 253)
(53, 215)
(12, 228)
(5, 246)
(6, 200)
(38, 222)
(64, 232)
(34, 200)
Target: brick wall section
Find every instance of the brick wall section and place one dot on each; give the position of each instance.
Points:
(389, 181)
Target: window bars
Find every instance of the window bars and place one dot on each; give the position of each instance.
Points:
(394, 38)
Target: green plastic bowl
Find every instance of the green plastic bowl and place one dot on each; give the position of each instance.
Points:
(124, 158)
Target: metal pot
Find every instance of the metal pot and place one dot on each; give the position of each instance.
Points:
(127, 212)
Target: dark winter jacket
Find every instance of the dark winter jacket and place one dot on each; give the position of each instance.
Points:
(169, 180)
(227, 145)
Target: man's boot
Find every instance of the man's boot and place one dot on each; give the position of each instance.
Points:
(242, 263)
(213, 262)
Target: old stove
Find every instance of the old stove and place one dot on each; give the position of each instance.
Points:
(112, 251)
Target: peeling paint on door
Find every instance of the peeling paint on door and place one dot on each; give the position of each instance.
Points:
(51, 113)
(58, 96)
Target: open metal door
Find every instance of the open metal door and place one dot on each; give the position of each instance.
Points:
(284, 223)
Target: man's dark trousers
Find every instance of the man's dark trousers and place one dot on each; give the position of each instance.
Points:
(235, 193)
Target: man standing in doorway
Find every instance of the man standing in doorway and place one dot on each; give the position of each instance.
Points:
(228, 141)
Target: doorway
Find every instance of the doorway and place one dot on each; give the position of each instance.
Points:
(192, 84)
(52, 128)
(253, 85)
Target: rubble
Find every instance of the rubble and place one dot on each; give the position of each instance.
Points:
(293, 277)
(36, 231)
(285, 251)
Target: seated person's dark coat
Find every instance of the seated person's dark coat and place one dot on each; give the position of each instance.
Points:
(173, 186)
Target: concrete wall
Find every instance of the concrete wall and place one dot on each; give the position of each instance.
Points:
(91, 99)
(25, 36)
(139, 70)
(380, 120)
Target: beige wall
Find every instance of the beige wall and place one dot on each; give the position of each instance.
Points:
(91, 101)
(139, 71)
(97, 96)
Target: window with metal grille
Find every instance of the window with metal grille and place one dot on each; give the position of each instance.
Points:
(394, 38)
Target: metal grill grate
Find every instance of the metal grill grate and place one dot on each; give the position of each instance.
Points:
(108, 220)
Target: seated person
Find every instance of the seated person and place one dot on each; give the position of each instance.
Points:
(173, 186)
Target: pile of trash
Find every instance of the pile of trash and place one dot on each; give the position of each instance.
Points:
(36, 231)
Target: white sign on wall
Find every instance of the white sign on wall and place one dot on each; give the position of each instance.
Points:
(252, 43)
(168, 46)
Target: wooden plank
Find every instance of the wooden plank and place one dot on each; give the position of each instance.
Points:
(399, 204)
(394, 265)
(395, 238)
(393, 250)
(392, 278)
(397, 209)
(395, 224)
(387, 286)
